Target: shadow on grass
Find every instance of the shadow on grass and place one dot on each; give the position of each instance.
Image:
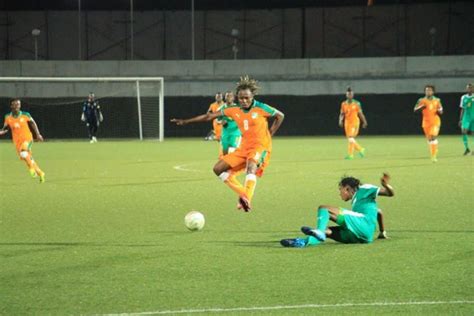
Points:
(426, 231)
(159, 182)
(27, 248)
(75, 244)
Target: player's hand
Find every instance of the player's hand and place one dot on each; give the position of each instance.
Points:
(460, 124)
(39, 138)
(364, 125)
(385, 179)
(83, 118)
(178, 121)
(340, 124)
(3, 132)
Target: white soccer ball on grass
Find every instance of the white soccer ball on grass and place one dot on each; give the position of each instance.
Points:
(194, 221)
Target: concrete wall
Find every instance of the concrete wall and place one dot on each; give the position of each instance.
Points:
(381, 30)
(277, 77)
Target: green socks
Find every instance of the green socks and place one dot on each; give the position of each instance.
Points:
(323, 219)
(465, 140)
(312, 241)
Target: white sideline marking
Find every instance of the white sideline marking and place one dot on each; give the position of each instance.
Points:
(279, 307)
(183, 168)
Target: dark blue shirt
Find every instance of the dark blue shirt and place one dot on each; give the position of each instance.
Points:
(91, 110)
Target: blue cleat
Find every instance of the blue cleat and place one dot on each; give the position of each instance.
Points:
(293, 243)
(316, 233)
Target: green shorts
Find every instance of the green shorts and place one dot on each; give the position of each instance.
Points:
(467, 124)
(230, 141)
(355, 228)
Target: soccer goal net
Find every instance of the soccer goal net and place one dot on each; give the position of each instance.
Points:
(132, 107)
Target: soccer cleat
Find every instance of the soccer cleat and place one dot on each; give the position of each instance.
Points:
(91, 141)
(349, 157)
(467, 152)
(42, 177)
(362, 153)
(316, 233)
(244, 201)
(94, 139)
(32, 173)
(434, 159)
(293, 243)
(383, 235)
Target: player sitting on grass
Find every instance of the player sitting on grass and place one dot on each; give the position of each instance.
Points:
(354, 226)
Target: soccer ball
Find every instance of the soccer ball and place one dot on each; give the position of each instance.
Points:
(194, 221)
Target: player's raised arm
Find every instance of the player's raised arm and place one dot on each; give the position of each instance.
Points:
(34, 127)
(279, 117)
(197, 119)
(386, 189)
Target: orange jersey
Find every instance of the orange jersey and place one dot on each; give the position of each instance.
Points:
(213, 108)
(430, 111)
(253, 124)
(19, 127)
(351, 112)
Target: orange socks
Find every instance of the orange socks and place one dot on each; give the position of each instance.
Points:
(433, 147)
(26, 156)
(250, 183)
(231, 181)
(357, 146)
(350, 148)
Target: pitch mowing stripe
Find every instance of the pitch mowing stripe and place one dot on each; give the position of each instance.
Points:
(280, 307)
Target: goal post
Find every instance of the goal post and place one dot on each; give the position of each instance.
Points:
(115, 94)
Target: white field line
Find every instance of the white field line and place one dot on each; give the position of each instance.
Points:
(284, 307)
(184, 168)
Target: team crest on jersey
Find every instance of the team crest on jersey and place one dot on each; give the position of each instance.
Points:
(254, 115)
(16, 125)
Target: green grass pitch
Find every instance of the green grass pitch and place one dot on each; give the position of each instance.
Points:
(105, 233)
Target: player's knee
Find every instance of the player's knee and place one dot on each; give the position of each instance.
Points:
(23, 154)
(251, 167)
(218, 169)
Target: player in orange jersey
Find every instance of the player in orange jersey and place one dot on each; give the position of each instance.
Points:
(431, 109)
(350, 116)
(20, 124)
(253, 154)
(213, 108)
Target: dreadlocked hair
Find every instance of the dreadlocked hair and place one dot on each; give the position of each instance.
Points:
(247, 83)
(350, 181)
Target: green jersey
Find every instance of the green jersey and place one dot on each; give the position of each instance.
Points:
(362, 219)
(467, 104)
(364, 202)
(229, 126)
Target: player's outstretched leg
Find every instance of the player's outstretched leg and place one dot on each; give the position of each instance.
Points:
(324, 214)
